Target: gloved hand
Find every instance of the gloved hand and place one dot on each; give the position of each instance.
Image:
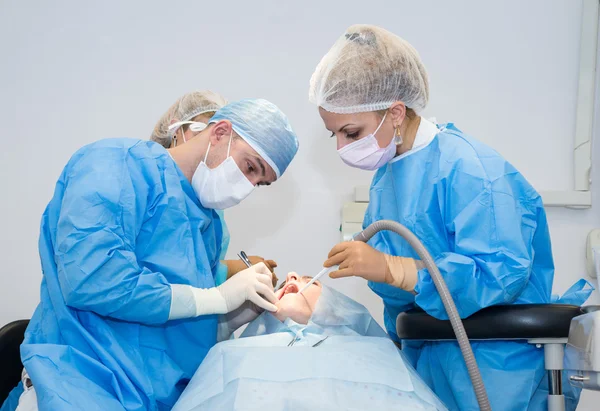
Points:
(235, 266)
(253, 284)
(356, 258)
(230, 322)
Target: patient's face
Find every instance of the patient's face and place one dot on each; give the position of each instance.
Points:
(298, 307)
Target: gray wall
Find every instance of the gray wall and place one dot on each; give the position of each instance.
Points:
(74, 72)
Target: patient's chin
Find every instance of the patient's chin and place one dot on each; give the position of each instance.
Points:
(293, 306)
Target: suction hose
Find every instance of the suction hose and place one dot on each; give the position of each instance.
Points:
(440, 285)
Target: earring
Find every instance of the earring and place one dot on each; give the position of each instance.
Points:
(398, 135)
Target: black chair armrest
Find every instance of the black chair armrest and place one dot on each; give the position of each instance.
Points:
(11, 338)
(503, 322)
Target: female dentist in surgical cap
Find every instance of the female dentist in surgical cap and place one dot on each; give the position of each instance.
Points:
(129, 247)
(181, 122)
(481, 220)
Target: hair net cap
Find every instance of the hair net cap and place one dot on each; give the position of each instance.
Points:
(185, 108)
(265, 128)
(369, 69)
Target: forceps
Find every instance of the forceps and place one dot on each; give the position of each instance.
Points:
(245, 259)
(296, 338)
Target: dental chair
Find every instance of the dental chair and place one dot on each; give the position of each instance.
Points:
(570, 336)
(11, 337)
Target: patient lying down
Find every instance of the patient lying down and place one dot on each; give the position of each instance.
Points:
(320, 351)
(298, 307)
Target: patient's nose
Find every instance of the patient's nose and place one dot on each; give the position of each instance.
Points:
(292, 277)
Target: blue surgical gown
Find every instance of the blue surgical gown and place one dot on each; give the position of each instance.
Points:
(221, 274)
(486, 228)
(124, 224)
(12, 401)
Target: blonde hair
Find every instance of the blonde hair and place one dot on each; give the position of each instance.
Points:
(187, 107)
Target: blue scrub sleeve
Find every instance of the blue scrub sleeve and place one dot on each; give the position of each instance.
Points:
(12, 401)
(221, 275)
(225, 236)
(106, 195)
(491, 229)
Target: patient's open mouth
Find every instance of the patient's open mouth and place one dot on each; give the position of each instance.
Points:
(290, 288)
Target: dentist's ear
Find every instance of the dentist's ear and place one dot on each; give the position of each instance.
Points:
(397, 113)
(219, 132)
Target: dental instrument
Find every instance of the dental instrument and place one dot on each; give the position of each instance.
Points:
(320, 342)
(316, 277)
(245, 259)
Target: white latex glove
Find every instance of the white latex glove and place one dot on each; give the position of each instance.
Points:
(252, 284)
(230, 322)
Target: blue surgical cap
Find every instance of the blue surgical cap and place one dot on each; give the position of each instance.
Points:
(265, 128)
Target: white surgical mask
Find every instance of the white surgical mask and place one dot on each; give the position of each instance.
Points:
(223, 186)
(195, 126)
(366, 153)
